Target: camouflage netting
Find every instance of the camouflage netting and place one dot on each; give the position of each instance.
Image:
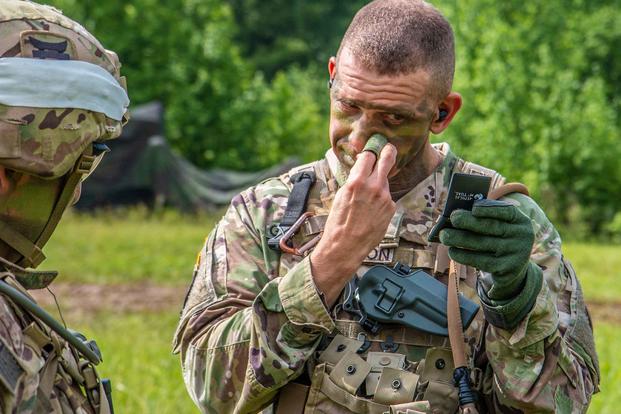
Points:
(143, 169)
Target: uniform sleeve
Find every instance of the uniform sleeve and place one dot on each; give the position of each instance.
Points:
(548, 362)
(245, 330)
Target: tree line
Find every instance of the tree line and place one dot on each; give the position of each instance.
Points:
(244, 86)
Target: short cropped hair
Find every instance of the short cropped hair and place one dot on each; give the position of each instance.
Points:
(394, 37)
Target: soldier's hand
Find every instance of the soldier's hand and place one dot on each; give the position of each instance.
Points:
(360, 214)
(496, 237)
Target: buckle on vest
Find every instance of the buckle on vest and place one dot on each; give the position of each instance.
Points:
(277, 232)
(85, 164)
(476, 379)
(283, 243)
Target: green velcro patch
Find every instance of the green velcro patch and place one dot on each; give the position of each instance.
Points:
(10, 370)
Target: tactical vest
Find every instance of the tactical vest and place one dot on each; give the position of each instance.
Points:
(40, 372)
(354, 371)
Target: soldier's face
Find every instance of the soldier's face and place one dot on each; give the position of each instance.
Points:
(363, 103)
(26, 203)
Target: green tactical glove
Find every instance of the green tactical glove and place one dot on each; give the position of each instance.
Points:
(497, 238)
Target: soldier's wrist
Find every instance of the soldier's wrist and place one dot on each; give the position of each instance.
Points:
(333, 265)
(329, 278)
(508, 313)
(504, 287)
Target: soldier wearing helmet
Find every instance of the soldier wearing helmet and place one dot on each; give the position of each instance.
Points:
(61, 98)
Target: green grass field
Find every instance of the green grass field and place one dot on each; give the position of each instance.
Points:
(136, 348)
(598, 266)
(607, 338)
(127, 246)
(134, 246)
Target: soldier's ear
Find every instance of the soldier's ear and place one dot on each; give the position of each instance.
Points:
(447, 109)
(331, 70)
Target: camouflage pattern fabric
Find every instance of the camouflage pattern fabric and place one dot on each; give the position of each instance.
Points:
(45, 154)
(253, 320)
(27, 30)
(51, 376)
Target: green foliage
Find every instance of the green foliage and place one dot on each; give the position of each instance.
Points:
(273, 119)
(540, 82)
(597, 267)
(243, 82)
(182, 52)
(608, 349)
(613, 228)
(277, 33)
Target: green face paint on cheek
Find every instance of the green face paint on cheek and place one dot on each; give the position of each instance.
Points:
(408, 142)
(28, 206)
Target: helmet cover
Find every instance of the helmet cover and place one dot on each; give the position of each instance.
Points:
(47, 141)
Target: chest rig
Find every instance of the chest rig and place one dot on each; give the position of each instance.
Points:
(60, 362)
(395, 368)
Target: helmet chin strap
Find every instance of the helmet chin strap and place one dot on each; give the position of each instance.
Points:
(31, 252)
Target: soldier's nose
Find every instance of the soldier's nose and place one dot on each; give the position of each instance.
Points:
(358, 141)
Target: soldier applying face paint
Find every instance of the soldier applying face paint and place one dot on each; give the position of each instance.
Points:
(269, 322)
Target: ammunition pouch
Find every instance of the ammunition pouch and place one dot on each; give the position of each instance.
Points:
(344, 381)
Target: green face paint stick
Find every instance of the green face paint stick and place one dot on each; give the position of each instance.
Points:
(375, 144)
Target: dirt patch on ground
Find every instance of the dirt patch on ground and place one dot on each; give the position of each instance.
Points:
(148, 297)
(91, 298)
(605, 311)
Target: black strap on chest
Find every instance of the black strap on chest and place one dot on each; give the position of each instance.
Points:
(296, 205)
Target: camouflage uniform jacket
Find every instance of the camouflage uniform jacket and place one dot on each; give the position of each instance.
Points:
(39, 371)
(253, 320)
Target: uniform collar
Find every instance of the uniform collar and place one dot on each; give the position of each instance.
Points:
(423, 204)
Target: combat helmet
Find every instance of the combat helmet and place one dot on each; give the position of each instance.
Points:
(61, 97)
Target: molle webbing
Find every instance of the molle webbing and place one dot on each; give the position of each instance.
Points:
(405, 252)
(399, 334)
(296, 204)
(296, 398)
(31, 307)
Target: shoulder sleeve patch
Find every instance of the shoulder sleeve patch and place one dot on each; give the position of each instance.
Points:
(10, 370)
